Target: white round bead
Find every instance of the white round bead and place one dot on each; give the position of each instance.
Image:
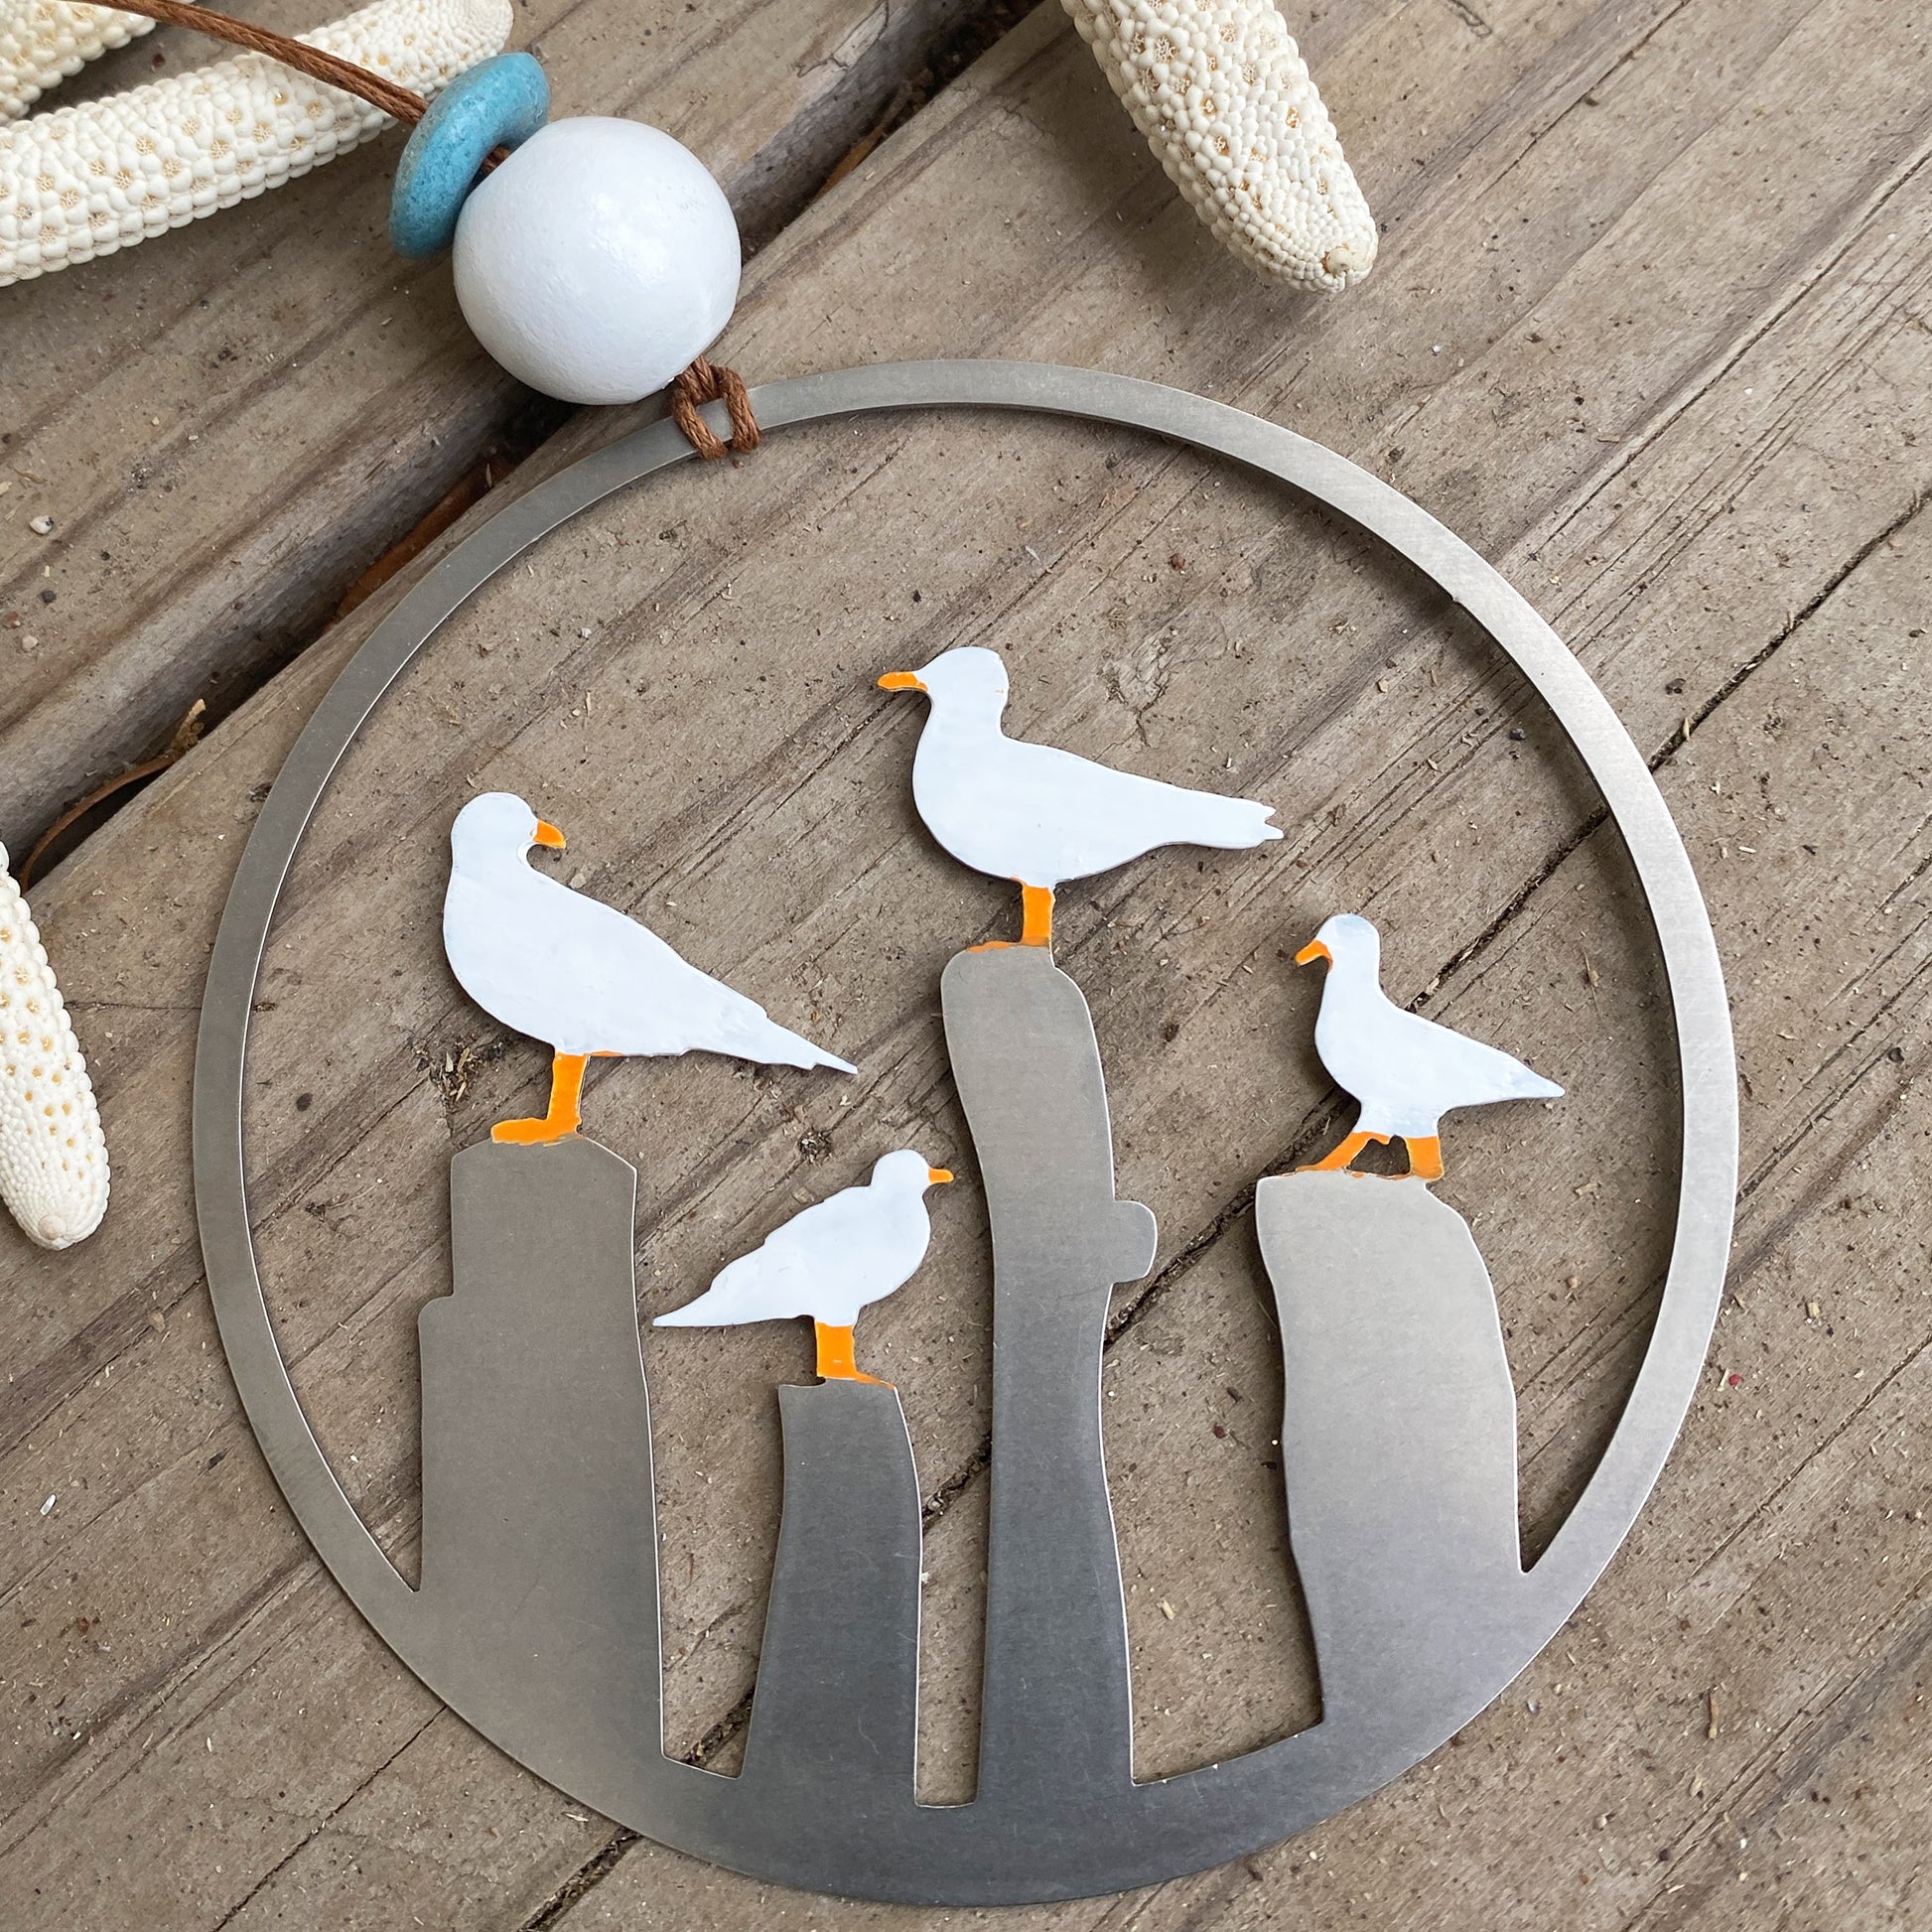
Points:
(596, 260)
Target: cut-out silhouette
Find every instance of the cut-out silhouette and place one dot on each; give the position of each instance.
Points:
(1407, 1071)
(1034, 813)
(829, 1260)
(584, 978)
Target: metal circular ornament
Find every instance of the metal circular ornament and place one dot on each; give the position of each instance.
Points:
(1058, 1825)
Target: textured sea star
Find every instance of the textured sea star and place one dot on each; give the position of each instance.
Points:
(52, 1158)
(1224, 99)
(87, 179)
(42, 42)
(1217, 86)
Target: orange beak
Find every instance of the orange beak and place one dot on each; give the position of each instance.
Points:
(938, 1177)
(900, 681)
(1313, 950)
(548, 836)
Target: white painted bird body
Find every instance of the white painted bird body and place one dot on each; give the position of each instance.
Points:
(580, 975)
(1037, 814)
(1407, 1071)
(829, 1260)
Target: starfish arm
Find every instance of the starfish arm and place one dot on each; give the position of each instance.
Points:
(1224, 99)
(229, 131)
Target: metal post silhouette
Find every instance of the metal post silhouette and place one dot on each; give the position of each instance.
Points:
(1056, 1713)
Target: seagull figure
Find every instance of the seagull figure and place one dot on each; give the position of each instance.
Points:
(1035, 814)
(580, 975)
(1407, 1071)
(828, 1262)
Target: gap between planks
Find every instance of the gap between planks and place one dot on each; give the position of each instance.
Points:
(221, 641)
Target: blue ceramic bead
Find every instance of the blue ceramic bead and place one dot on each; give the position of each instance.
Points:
(499, 102)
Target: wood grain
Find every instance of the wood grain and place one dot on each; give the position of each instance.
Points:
(228, 426)
(1726, 527)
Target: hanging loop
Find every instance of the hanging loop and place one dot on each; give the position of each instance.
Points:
(706, 381)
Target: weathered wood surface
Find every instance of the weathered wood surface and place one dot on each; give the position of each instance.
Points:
(229, 425)
(1709, 226)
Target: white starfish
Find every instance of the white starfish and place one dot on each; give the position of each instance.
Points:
(87, 179)
(42, 42)
(53, 1157)
(1222, 95)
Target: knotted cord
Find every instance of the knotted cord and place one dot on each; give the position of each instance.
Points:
(704, 382)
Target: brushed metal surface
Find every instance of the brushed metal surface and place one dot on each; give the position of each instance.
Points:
(1055, 1704)
(1398, 1434)
(1047, 1827)
(539, 1510)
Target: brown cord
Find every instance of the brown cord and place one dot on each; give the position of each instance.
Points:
(329, 68)
(707, 381)
(702, 382)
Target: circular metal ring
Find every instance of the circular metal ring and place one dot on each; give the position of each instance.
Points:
(1197, 1818)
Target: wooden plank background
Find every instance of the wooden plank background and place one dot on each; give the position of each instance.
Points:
(227, 430)
(1650, 329)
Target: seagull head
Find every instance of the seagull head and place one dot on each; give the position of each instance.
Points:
(972, 678)
(907, 1173)
(1347, 939)
(498, 826)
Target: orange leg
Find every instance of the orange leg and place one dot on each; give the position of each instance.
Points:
(835, 1361)
(1344, 1154)
(1426, 1156)
(1036, 923)
(566, 1084)
(1036, 918)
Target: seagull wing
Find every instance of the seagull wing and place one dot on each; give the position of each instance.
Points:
(762, 1286)
(606, 983)
(1467, 1072)
(1043, 815)
(704, 1013)
(799, 1269)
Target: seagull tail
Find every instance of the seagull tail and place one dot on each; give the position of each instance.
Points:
(693, 1314)
(1231, 823)
(788, 1048)
(1533, 1086)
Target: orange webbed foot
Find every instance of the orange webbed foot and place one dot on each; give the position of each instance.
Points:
(561, 1121)
(1338, 1160)
(530, 1133)
(835, 1363)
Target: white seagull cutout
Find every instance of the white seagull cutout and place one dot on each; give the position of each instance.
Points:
(828, 1262)
(581, 975)
(1407, 1071)
(1035, 814)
